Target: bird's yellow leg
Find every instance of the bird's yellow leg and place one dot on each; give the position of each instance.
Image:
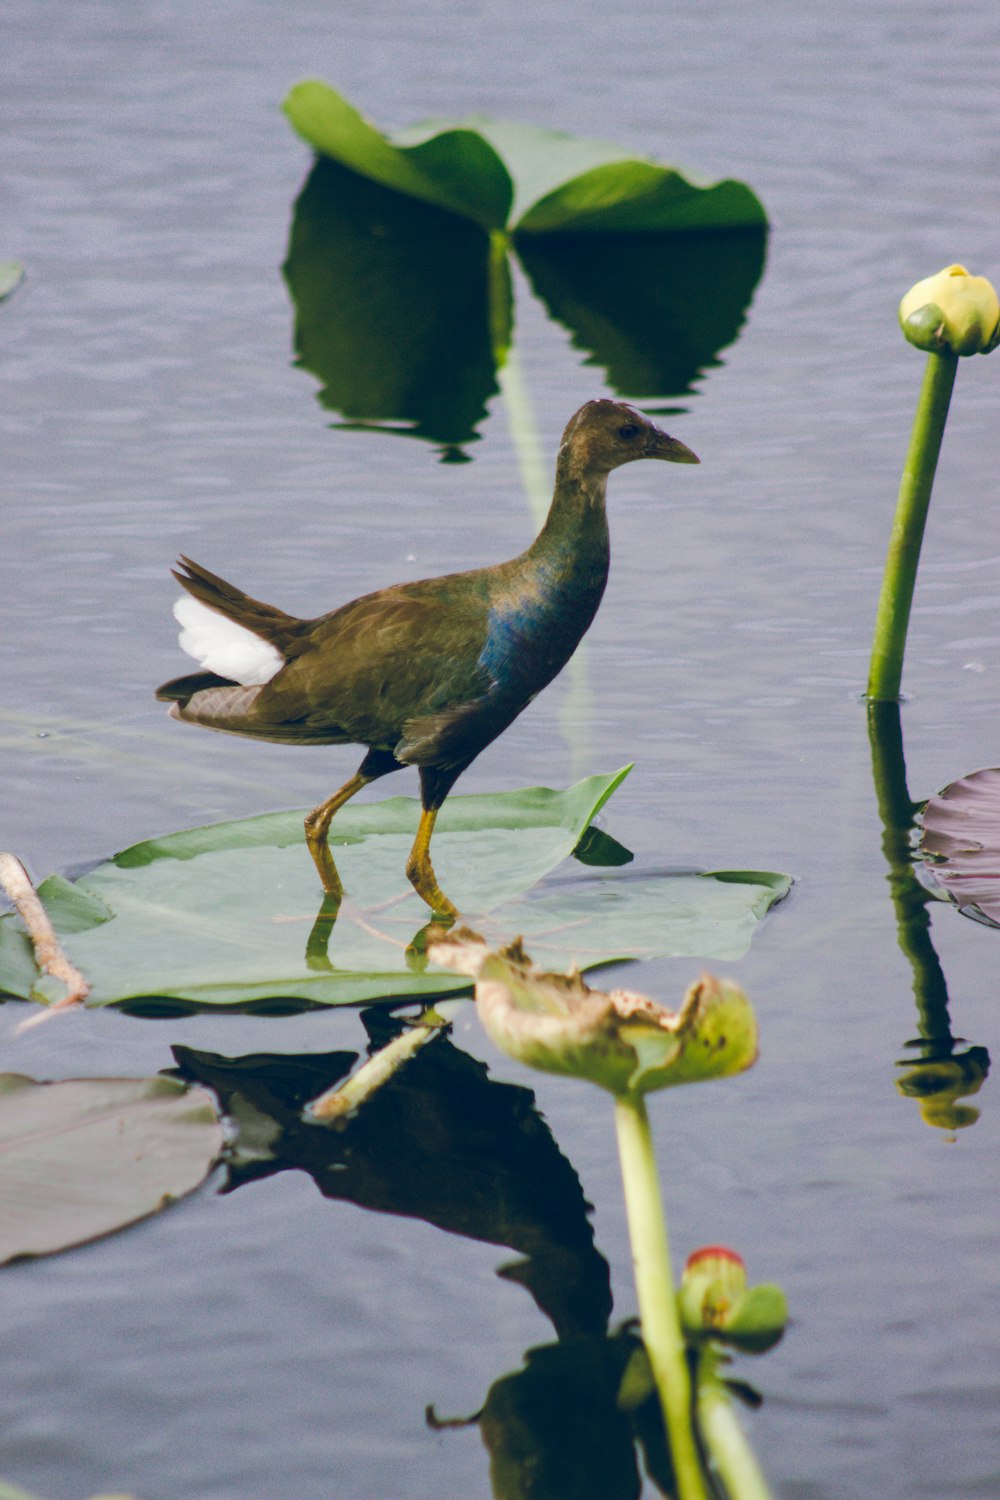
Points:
(317, 826)
(420, 871)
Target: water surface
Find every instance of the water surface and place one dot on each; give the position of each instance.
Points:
(273, 1341)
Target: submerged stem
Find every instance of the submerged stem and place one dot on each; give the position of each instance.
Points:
(661, 1329)
(910, 898)
(892, 619)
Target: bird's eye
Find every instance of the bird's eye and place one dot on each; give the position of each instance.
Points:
(630, 430)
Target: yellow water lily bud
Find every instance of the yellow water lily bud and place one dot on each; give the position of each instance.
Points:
(952, 311)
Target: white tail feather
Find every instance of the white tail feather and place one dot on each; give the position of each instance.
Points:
(222, 646)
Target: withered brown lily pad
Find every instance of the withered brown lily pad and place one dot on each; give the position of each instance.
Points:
(619, 1039)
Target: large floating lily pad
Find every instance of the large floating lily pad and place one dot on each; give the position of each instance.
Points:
(81, 1158)
(961, 844)
(225, 915)
(518, 177)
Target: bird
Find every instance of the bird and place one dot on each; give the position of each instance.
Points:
(423, 674)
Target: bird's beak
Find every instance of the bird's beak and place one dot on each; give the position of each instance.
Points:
(672, 450)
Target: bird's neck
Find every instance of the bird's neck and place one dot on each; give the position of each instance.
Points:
(574, 540)
(542, 602)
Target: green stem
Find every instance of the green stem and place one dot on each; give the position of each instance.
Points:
(731, 1454)
(915, 487)
(661, 1329)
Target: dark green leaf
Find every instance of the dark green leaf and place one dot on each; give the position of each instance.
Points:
(599, 848)
(565, 183)
(483, 169)
(453, 168)
(398, 263)
(629, 197)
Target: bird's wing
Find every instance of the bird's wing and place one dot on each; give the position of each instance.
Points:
(372, 667)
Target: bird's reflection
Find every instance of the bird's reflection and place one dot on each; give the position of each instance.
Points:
(318, 941)
(940, 1069)
(443, 1142)
(440, 1141)
(321, 933)
(596, 849)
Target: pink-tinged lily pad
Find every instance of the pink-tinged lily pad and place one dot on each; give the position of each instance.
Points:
(960, 843)
(84, 1157)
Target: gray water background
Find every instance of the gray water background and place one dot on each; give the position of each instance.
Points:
(274, 1343)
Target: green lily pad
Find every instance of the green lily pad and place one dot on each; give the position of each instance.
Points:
(227, 915)
(518, 177)
(453, 168)
(87, 1156)
(601, 920)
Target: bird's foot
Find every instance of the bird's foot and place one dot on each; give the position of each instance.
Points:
(444, 913)
(420, 874)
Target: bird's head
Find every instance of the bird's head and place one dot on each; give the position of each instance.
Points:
(603, 435)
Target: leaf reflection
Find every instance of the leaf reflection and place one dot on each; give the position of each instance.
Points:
(392, 307)
(403, 310)
(440, 1141)
(653, 310)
